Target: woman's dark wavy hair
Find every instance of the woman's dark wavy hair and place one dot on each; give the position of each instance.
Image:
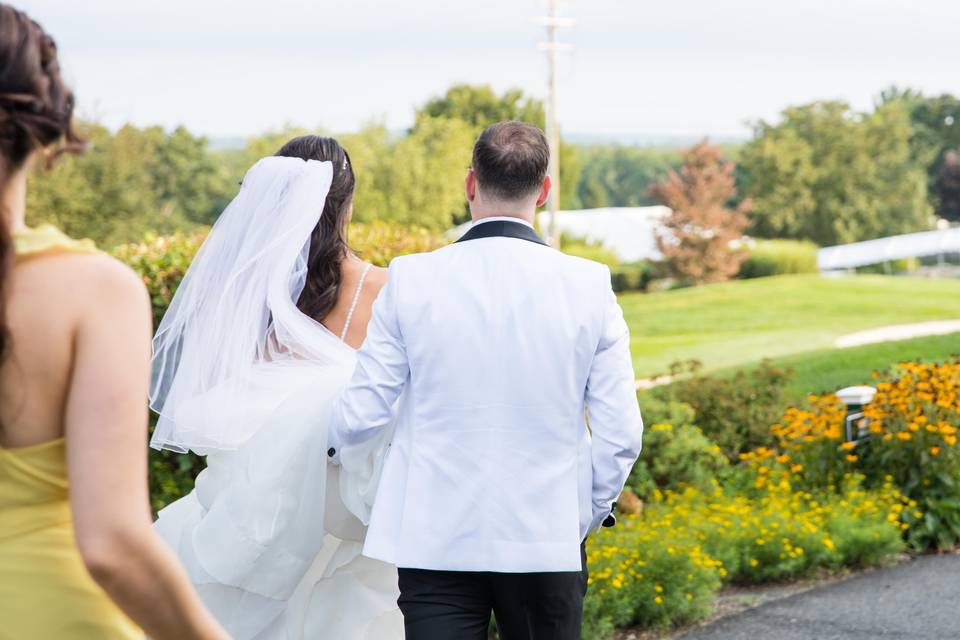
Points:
(36, 111)
(328, 242)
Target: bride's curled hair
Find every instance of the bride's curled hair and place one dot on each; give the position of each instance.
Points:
(36, 108)
(328, 242)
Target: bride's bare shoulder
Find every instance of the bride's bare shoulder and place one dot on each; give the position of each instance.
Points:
(377, 278)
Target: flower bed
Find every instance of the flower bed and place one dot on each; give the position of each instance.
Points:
(665, 566)
(912, 444)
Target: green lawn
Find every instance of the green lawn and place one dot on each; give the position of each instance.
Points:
(738, 323)
(828, 370)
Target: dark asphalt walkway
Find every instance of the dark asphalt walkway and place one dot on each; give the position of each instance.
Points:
(916, 600)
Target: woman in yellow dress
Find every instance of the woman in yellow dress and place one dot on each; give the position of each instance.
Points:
(78, 557)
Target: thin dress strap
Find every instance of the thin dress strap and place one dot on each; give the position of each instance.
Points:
(353, 305)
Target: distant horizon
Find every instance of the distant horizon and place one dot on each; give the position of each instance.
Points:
(668, 70)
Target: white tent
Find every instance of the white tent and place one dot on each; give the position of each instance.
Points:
(911, 245)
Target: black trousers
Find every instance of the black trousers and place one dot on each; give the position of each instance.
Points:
(456, 605)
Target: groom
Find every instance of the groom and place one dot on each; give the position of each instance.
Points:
(496, 473)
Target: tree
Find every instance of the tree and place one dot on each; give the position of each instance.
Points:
(479, 106)
(698, 235)
(936, 133)
(419, 178)
(829, 174)
(130, 182)
(620, 176)
(188, 178)
(948, 186)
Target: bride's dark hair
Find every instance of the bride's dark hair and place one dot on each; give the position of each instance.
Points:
(36, 108)
(328, 242)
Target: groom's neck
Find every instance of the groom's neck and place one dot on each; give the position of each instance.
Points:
(525, 211)
(527, 217)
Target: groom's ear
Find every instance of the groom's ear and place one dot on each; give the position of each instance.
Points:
(544, 191)
(470, 185)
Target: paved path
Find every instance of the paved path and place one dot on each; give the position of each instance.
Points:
(919, 600)
(898, 332)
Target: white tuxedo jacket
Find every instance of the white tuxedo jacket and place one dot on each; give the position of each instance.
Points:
(500, 345)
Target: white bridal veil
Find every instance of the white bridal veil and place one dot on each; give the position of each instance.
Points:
(235, 312)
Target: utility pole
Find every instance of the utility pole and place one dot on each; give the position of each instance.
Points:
(553, 22)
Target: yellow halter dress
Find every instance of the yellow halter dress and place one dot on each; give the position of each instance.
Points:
(45, 590)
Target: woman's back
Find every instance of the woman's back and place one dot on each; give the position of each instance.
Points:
(51, 286)
(76, 545)
(360, 285)
(46, 590)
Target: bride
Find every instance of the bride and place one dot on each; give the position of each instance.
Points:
(258, 341)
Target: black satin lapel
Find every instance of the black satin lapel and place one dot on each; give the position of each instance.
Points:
(502, 229)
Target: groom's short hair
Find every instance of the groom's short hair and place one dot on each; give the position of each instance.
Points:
(510, 160)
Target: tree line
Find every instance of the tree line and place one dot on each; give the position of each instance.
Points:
(821, 172)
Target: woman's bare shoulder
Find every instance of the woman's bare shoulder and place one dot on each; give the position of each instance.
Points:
(376, 280)
(91, 280)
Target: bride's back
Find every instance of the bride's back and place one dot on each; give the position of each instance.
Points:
(363, 285)
(335, 277)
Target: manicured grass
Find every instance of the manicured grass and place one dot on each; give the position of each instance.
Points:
(737, 323)
(828, 370)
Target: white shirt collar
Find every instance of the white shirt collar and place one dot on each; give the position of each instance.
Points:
(502, 219)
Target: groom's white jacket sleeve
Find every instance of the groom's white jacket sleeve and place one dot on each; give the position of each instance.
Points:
(614, 415)
(366, 405)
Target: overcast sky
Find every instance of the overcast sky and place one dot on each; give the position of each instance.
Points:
(669, 67)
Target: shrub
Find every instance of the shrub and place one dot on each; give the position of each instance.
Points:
(583, 248)
(631, 276)
(380, 242)
(891, 267)
(779, 257)
(734, 411)
(162, 261)
(676, 456)
(638, 577)
(912, 444)
(913, 420)
(665, 566)
(660, 407)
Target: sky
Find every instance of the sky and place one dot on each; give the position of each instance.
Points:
(228, 68)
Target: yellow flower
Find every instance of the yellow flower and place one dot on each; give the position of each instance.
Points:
(847, 446)
(658, 600)
(934, 451)
(950, 440)
(852, 458)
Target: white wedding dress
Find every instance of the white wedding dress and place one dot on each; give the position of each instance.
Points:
(272, 535)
